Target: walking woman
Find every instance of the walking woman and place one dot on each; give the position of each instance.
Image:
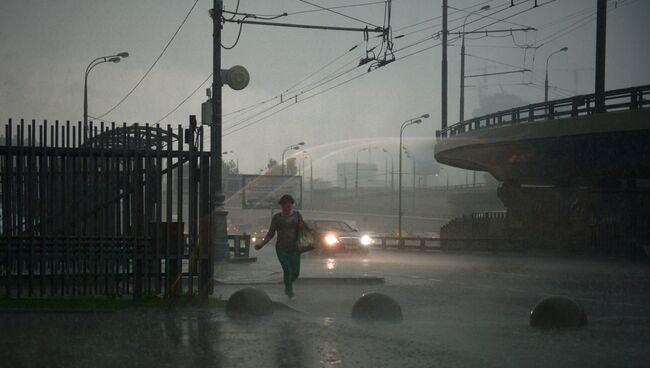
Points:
(286, 224)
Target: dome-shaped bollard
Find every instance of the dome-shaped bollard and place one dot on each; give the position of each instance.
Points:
(249, 303)
(377, 307)
(557, 312)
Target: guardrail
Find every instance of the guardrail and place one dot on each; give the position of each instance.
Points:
(406, 243)
(467, 243)
(633, 98)
(460, 187)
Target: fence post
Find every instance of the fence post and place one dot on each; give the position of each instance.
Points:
(236, 245)
(206, 253)
(137, 277)
(247, 246)
(634, 101)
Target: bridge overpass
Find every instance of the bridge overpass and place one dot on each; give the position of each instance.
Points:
(566, 170)
(562, 142)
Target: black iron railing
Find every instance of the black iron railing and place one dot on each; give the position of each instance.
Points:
(633, 98)
(101, 210)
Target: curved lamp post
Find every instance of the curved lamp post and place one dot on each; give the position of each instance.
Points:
(311, 177)
(546, 79)
(289, 148)
(408, 122)
(461, 113)
(392, 178)
(100, 60)
(356, 173)
(411, 156)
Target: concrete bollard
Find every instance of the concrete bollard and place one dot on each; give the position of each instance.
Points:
(557, 312)
(249, 303)
(377, 307)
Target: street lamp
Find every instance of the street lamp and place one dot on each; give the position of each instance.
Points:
(392, 178)
(461, 113)
(406, 123)
(311, 177)
(412, 157)
(546, 80)
(289, 148)
(356, 175)
(236, 157)
(100, 60)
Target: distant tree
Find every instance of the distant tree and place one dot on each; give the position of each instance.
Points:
(291, 168)
(271, 164)
(275, 168)
(229, 168)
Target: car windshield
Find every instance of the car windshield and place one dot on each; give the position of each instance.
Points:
(333, 225)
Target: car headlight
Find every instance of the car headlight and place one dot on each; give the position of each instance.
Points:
(254, 239)
(366, 240)
(330, 239)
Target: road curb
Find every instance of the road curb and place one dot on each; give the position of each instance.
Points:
(356, 280)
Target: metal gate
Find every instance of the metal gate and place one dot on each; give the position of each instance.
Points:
(103, 210)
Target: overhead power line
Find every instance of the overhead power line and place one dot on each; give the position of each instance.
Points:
(249, 122)
(339, 13)
(153, 64)
(184, 100)
(251, 107)
(335, 7)
(492, 60)
(590, 17)
(246, 122)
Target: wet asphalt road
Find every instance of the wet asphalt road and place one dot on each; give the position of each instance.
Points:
(460, 310)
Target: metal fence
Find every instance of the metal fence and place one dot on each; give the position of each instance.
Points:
(482, 231)
(615, 100)
(100, 209)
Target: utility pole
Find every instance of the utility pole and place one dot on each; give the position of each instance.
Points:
(356, 178)
(345, 175)
(385, 173)
(302, 183)
(416, 120)
(218, 237)
(601, 40)
(392, 184)
(461, 111)
(413, 193)
(443, 99)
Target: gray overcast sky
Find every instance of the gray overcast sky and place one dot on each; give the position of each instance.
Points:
(46, 46)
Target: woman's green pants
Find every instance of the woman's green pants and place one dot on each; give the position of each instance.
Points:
(290, 262)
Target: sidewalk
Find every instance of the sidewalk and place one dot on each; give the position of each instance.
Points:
(327, 287)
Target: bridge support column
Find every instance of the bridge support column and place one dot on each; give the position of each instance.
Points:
(604, 220)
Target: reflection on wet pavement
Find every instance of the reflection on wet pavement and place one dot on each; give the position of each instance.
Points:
(459, 311)
(331, 263)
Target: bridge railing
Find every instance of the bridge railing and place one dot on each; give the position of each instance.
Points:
(615, 100)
